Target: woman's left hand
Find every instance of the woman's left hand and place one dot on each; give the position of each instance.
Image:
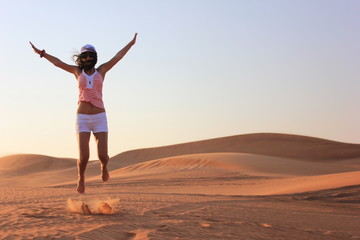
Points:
(36, 50)
(134, 39)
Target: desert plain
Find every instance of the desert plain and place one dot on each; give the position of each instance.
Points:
(252, 186)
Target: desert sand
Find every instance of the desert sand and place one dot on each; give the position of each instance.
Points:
(254, 186)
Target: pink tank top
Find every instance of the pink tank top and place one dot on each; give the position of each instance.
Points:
(90, 88)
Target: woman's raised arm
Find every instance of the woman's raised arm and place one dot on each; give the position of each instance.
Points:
(57, 62)
(108, 65)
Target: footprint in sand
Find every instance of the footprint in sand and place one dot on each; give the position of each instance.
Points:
(92, 206)
(85, 209)
(104, 208)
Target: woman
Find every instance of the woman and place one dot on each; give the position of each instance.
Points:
(91, 116)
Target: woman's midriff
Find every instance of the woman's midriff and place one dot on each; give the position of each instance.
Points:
(88, 108)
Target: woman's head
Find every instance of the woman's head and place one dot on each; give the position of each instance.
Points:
(87, 58)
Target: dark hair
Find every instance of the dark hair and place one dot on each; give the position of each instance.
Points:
(77, 59)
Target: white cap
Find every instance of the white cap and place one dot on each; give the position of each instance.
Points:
(88, 48)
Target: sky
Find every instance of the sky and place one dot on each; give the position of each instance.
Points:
(200, 69)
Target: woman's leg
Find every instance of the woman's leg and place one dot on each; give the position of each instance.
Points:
(102, 147)
(84, 152)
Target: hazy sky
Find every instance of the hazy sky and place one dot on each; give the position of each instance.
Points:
(200, 69)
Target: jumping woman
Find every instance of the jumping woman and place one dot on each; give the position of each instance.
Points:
(91, 115)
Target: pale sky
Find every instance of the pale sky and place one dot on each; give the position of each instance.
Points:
(200, 69)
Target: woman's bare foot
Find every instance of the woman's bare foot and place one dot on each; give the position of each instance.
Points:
(104, 173)
(81, 186)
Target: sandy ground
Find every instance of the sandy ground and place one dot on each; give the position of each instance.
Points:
(258, 186)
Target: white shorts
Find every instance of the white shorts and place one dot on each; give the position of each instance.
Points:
(91, 123)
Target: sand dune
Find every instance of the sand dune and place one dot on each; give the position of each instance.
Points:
(40, 170)
(23, 164)
(251, 164)
(269, 144)
(237, 156)
(254, 186)
(237, 174)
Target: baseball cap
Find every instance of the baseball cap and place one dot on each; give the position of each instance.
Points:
(88, 48)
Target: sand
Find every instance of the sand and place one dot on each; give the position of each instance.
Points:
(254, 186)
